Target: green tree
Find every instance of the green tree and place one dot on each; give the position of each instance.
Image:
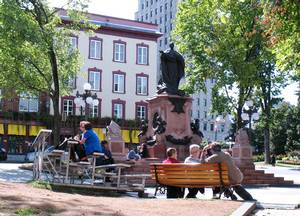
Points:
(221, 40)
(35, 51)
(282, 24)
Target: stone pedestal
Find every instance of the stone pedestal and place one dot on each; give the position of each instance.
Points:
(175, 111)
(115, 141)
(242, 150)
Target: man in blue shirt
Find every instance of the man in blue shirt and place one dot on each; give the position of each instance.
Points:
(90, 140)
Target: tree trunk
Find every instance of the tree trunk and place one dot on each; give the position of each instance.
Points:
(267, 145)
(239, 109)
(55, 97)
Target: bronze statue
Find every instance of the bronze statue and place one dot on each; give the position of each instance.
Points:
(172, 68)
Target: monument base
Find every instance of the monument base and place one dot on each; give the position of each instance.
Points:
(175, 131)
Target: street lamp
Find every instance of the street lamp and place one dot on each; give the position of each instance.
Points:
(218, 120)
(86, 98)
(250, 112)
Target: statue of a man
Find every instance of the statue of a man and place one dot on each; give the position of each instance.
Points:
(172, 68)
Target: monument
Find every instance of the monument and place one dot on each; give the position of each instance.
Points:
(169, 111)
(115, 140)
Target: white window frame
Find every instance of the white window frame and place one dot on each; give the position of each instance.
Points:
(119, 55)
(95, 49)
(69, 107)
(96, 85)
(118, 110)
(142, 85)
(28, 103)
(142, 55)
(73, 42)
(94, 111)
(141, 111)
(118, 85)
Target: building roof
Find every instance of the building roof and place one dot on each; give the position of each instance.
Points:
(143, 29)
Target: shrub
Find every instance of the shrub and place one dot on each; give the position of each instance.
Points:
(258, 158)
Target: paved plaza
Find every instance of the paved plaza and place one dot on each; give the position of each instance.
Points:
(279, 199)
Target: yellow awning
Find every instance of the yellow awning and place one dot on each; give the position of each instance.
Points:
(126, 138)
(14, 129)
(99, 132)
(34, 130)
(1, 129)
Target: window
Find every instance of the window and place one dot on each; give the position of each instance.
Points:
(205, 102)
(171, 26)
(142, 19)
(72, 82)
(166, 18)
(28, 103)
(73, 42)
(166, 29)
(142, 6)
(95, 110)
(142, 54)
(160, 42)
(151, 2)
(155, 11)
(198, 114)
(146, 3)
(198, 101)
(155, 21)
(119, 82)
(142, 84)
(205, 114)
(146, 16)
(141, 110)
(95, 48)
(68, 107)
(212, 80)
(166, 41)
(118, 108)
(171, 15)
(119, 51)
(166, 6)
(222, 127)
(94, 76)
(205, 126)
(212, 126)
(171, 3)
(150, 13)
(160, 9)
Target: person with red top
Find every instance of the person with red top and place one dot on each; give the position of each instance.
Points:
(173, 192)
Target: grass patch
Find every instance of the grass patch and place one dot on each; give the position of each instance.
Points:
(26, 211)
(40, 185)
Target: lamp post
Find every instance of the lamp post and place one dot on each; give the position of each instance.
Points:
(250, 112)
(218, 120)
(86, 98)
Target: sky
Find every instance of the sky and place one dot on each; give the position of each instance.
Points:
(127, 8)
(118, 8)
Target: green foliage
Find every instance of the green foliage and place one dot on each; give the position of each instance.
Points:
(41, 185)
(282, 28)
(26, 211)
(258, 158)
(284, 129)
(221, 40)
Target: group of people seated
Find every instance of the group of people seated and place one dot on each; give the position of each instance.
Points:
(142, 152)
(211, 153)
(89, 144)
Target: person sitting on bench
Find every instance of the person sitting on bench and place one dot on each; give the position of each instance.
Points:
(107, 158)
(235, 175)
(90, 141)
(194, 158)
(173, 192)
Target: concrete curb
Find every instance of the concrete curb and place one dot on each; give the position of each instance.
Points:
(271, 185)
(245, 209)
(277, 206)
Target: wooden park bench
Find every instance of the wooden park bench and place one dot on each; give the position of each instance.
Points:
(190, 175)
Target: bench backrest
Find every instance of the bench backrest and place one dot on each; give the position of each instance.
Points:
(190, 175)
